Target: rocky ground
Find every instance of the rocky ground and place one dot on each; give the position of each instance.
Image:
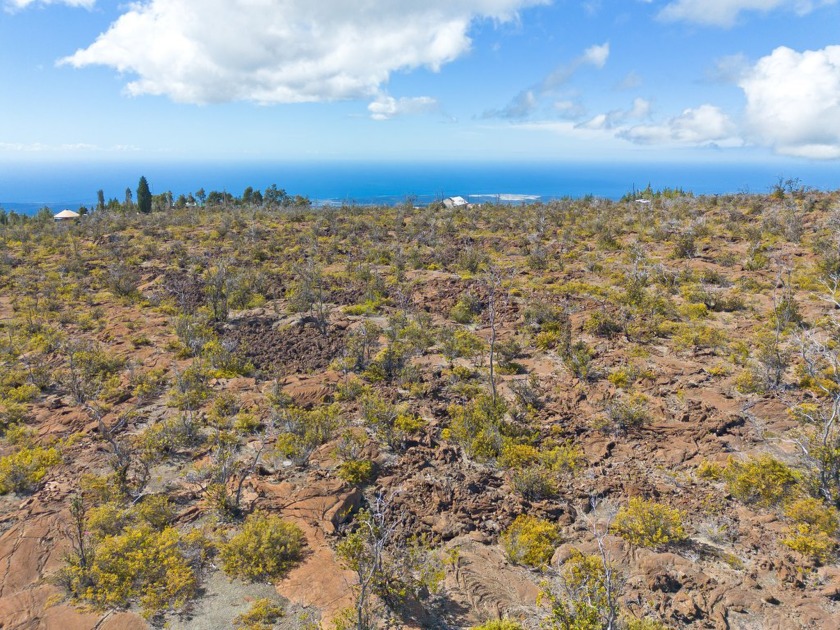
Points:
(124, 283)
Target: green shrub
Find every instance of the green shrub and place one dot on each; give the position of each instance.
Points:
(649, 524)
(24, 469)
(303, 431)
(476, 426)
(466, 309)
(644, 624)
(148, 385)
(535, 483)
(762, 480)
(357, 471)
(263, 615)
(564, 458)
(585, 602)
(518, 455)
(141, 565)
(628, 414)
(530, 541)
(499, 624)
(265, 549)
(814, 528)
(579, 361)
(602, 324)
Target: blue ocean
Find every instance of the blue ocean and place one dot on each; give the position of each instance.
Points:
(26, 187)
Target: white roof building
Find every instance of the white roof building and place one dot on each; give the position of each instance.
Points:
(66, 215)
(454, 202)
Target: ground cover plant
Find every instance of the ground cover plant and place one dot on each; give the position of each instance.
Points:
(576, 414)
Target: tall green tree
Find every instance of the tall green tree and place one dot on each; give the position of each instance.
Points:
(100, 199)
(144, 196)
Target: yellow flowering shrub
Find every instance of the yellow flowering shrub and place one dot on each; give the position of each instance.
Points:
(266, 548)
(649, 524)
(24, 469)
(530, 541)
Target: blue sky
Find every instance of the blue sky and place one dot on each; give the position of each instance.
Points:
(620, 81)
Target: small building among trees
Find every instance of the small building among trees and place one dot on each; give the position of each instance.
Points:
(67, 215)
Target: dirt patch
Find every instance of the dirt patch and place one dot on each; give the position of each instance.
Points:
(276, 348)
(186, 288)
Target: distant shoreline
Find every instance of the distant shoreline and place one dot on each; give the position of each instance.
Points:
(25, 188)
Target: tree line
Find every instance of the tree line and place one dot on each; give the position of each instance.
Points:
(146, 202)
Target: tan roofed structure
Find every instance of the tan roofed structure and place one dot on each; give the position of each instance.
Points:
(66, 215)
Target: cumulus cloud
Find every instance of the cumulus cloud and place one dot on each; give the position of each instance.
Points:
(725, 12)
(523, 104)
(283, 51)
(694, 126)
(793, 102)
(386, 107)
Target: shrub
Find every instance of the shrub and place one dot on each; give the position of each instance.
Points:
(518, 455)
(762, 480)
(644, 624)
(649, 524)
(266, 548)
(535, 483)
(304, 431)
(475, 426)
(357, 471)
(810, 542)
(814, 526)
(579, 361)
(499, 624)
(564, 458)
(148, 385)
(628, 414)
(602, 324)
(466, 309)
(140, 564)
(530, 541)
(263, 615)
(585, 602)
(24, 469)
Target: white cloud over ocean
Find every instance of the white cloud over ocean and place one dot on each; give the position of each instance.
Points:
(284, 51)
(694, 126)
(793, 102)
(526, 102)
(22, 4)
(726, 12)
(386, 107)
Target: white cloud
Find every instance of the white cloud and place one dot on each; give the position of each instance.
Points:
(698, 126)
(725, 12)
(284, 51)
(523, 104)
(615, 118)
(597, 55)
(39, 147)
(386, 107)
(793, 102)
(22, 4)
(593, 56)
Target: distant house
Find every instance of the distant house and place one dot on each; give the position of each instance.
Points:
(454, 202)
(67, 215)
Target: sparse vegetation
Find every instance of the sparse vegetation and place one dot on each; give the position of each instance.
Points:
(203, 376)
(649, 524)
(265, 548)
(530, 541)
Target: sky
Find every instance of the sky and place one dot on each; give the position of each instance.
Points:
(517, 80)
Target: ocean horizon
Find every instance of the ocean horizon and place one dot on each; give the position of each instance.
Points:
(27, 187)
